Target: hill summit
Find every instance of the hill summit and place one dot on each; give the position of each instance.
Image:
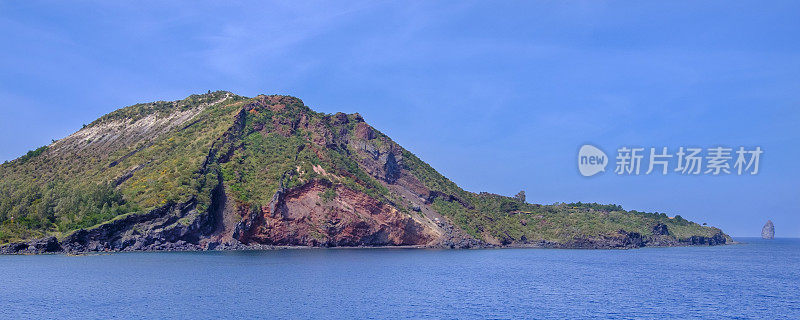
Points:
(222, 171)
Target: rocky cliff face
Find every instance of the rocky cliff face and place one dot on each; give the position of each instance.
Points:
(768, 231)
(304, 216)
(220, 171)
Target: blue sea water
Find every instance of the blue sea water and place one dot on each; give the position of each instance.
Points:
(756, 280)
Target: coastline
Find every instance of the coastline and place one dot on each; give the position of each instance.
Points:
(6, 248)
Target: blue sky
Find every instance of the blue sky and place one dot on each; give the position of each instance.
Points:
(498, 96)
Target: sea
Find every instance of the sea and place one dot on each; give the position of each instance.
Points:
(757, 279)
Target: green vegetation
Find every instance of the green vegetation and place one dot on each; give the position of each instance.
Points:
(81, 182)
(430, 177)
(507, 219)
(70, 184)
(254, 147)
(31, 154)
(328, 194)
(276, 151)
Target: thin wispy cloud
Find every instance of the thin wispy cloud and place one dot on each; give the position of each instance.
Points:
(464, 85)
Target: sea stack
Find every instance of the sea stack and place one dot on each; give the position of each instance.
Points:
(768, 231)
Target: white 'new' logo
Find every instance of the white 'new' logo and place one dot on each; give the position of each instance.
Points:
(591, 160)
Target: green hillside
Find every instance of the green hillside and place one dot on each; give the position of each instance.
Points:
(148, 156)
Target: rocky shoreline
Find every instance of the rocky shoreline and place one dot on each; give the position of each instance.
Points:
(620, 241)
(181, 227)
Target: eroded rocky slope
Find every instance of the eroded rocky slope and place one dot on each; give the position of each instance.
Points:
(220, 171)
